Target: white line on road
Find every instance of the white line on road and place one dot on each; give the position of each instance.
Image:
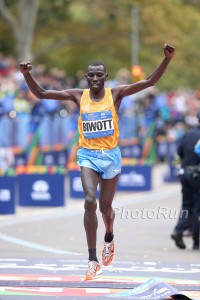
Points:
(31, 245)
(72, 211)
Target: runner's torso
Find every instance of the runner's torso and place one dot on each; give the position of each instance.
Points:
(98, 122)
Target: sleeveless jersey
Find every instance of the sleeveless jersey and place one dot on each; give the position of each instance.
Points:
(98, 122)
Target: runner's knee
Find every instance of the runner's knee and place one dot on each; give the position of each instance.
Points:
(90, 203)
(105, 209)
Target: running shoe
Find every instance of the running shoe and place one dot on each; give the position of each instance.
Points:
(108, 253)
(93, 270)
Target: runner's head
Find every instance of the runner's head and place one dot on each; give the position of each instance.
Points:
(96, 76)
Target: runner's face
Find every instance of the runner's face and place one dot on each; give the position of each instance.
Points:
(96, 77)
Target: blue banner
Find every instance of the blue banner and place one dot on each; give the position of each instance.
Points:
(41, 189)
(55, 158)
(135, 178)
(131, 151)
(172, 172)
(7, 195)
(162, 150)
(20, 159)
(132, 178)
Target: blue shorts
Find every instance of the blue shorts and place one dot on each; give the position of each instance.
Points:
(107, 163)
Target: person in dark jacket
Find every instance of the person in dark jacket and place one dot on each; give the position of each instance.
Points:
(189, 217)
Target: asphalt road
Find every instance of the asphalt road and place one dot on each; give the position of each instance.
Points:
(143, 224)
(144, 221)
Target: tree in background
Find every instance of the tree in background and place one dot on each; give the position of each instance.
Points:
(68, 34)
(22, 27)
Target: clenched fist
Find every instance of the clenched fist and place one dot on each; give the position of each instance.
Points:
(25, 67)
(169, 50)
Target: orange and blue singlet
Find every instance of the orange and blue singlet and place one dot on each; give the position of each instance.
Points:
(98, 129)
(98, 122)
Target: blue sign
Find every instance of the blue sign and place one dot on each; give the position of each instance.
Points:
(75, 185)
(162, 150)
(172, 172)
(20, 159)
(7, 195)
(171, 175)
(61, 158)
(135, 178)
(172, 149)
(166, 150)
(131, 151)
(41, 189)
(55, 158)
(48, 158)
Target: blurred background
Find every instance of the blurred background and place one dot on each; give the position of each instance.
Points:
(61, 38)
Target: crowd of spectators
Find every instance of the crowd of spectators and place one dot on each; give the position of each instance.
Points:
(21, 114)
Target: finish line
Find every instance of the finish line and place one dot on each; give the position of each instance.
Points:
(99, 283)
(62, 278)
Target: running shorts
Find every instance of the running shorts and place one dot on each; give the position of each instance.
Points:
(107, 163)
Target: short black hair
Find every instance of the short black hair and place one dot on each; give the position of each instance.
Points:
(98, 63)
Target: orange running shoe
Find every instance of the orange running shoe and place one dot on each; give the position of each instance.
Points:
(93, 270)
(108, 253)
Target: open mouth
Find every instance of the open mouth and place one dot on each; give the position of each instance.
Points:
(95, 84)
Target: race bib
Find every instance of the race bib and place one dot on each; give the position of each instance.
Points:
(97, 124)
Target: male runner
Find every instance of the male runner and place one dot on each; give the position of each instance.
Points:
(99, 156)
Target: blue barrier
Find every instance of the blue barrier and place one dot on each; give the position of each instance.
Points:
(7, 195)
(131, 151)
(171, 175)
(75, 185)
(41, 189)
(55, 158)
(135, 178)
(132, 178)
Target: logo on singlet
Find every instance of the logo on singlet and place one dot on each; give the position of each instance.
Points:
(97, 124)
(86, 107)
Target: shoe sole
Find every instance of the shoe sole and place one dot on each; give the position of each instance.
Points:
(99, 272)
(91, 278)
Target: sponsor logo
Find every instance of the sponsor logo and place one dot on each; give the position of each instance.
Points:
(40, 191)
(5, 195)
(48, 159)
(77, 185)
(132, 179)
(86, 107)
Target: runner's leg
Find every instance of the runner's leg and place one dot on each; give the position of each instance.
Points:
(90, 179)
(107, 192)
